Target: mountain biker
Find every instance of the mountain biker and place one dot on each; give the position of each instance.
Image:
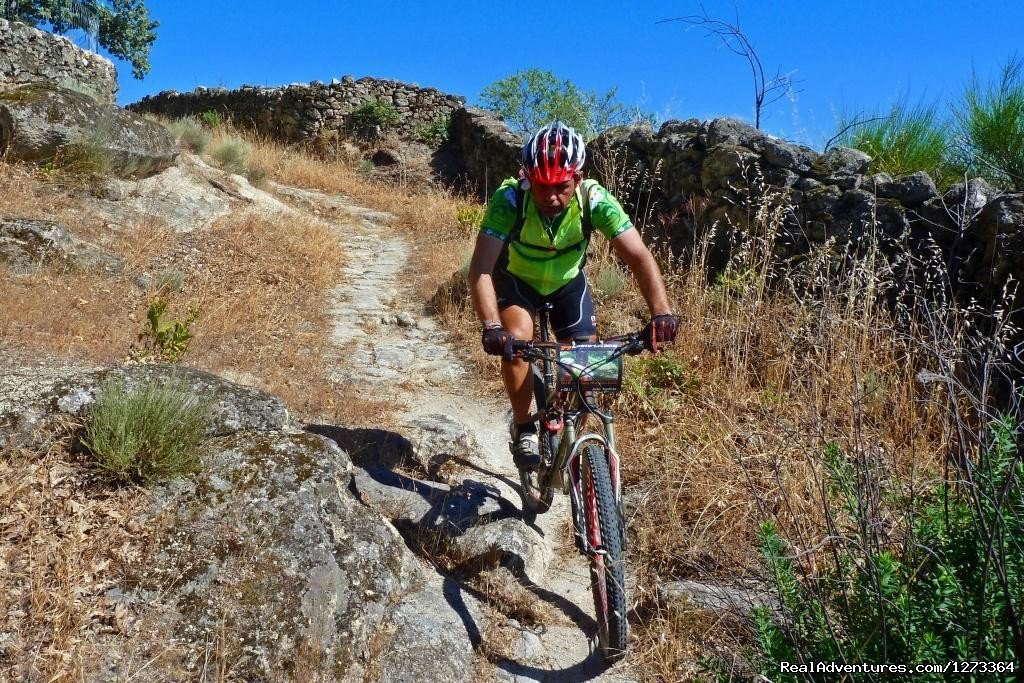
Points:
(530, 250)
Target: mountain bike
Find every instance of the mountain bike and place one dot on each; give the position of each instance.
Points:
(582, 463)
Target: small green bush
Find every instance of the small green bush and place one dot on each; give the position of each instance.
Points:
(190, 134)
(231, 154)
(658, 380)
(146, 434)
(373, 116)
(257, 176)
(905, 140)
(991, 124)
(945, 585)
(170, 281)
(470, 217)
(211, 119)
(434, 133)
(166, 340)
(366, 165)
(85, 158)
(609, 280)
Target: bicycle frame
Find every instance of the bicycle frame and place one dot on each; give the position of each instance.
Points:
(561, 469)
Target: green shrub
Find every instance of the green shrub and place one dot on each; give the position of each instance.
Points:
(231, 154)
(166, 340)
(609, 280)
(948, 587)
(85, 158)
(991, 125)
(170, 280)
(366, 165)
(146, 434)
(373, 116)
(211, 119)
(434, 133)
(658, 380)
(905, 140)
(190, 134)
(257, 176)
(470, 217)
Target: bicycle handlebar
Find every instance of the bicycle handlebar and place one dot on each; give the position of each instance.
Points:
(632, 344)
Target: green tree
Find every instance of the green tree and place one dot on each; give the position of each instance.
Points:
(528, 99)
(126, 30)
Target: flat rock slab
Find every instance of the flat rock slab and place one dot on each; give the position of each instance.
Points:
(26, 244)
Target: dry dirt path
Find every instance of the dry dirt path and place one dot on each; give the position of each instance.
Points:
(389, 347)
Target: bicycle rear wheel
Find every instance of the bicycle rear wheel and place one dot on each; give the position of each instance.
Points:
(604, 531)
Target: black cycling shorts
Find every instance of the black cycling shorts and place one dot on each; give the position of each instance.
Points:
(573, 314)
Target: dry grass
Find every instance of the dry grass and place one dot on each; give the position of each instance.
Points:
(64, 540)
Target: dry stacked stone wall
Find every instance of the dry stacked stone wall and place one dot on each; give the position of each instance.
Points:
(301, 112)
(28, 55)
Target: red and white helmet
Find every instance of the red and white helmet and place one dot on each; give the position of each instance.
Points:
(554, 154)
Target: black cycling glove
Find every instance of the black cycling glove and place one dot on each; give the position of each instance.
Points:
(495, 340)
(662, 328)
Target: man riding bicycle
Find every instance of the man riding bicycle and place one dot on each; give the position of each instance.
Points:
(530, 251)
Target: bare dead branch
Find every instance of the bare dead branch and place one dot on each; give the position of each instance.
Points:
(733, 38)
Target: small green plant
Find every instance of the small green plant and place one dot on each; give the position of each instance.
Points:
(166, 340)
(470, 217)
(86, 159)
(609, 280)
(171, 280)
(904, 140)
(434, 133)
(373, 117)
(658, 380)
(148, 433)
(211, 119)
(366, 165)
(190, 134)
(736, 282)
(947, 588)
(257, 176)
(991, 124)
(231, 154)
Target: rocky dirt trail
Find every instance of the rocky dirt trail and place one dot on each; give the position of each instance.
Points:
(389, 348)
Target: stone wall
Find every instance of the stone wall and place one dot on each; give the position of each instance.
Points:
(971, 230)
(28, 55)
(692, 178)
(301, 112)
(488, 151)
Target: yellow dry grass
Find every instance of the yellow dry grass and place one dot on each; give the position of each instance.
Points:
(64, 541)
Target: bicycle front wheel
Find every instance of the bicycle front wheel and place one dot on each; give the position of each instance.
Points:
(604, 531)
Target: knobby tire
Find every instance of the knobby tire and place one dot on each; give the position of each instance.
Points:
(604, 531)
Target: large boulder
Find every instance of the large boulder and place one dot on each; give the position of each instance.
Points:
(26, 244)
(46, 124)
(265, 552)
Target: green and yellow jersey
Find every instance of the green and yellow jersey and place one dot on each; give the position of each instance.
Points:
(543, 256)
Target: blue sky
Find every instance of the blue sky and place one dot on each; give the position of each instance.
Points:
(847, 56)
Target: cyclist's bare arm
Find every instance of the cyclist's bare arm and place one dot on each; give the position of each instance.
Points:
(634, 253)
(481, 286)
